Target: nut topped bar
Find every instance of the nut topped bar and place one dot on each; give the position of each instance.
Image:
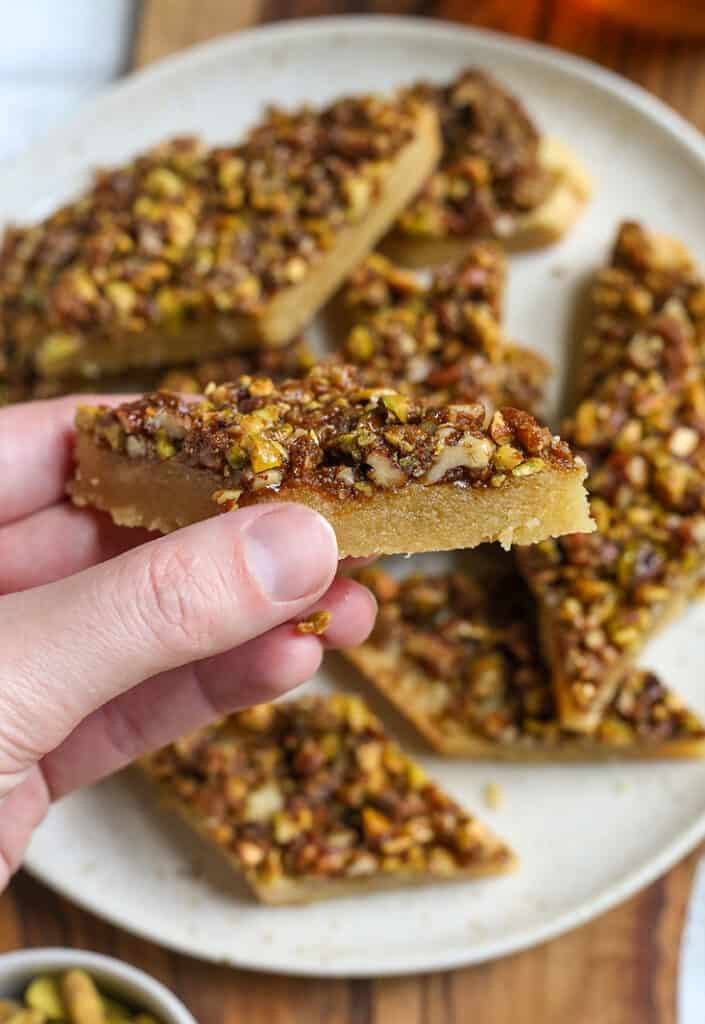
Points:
(649, 274)
(458, 655)
(190, 250)
(497, 177)
(310, 799)
(442, 341)
(390, 473)
(640, 425)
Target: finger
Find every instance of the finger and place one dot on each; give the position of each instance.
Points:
(353, 610)
(36, 446)
(71, 646)
(169, 705)
(20, 813)
(57, 542)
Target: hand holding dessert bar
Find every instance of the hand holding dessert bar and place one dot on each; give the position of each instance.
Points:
(115, 642)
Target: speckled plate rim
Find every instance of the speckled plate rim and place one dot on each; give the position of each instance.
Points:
(540, 55)
(481, 952)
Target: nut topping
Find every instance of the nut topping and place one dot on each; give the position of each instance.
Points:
(461, 659)
(325, 431)
(441, 341)
(187, 232)
(320, 793)
(317, 623)
(489, 171)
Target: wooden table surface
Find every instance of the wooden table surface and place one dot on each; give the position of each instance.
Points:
(619, 969)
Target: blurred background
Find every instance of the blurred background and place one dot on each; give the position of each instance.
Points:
(55, 55)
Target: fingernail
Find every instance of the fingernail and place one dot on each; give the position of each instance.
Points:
(292, 553)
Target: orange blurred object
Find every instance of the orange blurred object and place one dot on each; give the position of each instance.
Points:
(671, 17)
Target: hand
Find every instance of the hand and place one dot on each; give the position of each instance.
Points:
(113, 641)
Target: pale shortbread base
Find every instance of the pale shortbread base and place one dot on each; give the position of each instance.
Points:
(549, 222)
(441, 517)
(495, 859)
(290, 309)
(408, 688)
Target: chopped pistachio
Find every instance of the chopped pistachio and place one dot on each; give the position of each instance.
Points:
(44, 995)
(165, 448)
(529, 467)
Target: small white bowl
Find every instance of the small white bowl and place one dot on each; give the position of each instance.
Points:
(115, 978)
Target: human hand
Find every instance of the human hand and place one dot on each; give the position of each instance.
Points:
(113, 641)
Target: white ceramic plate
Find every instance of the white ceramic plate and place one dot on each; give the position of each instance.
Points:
(588, 835)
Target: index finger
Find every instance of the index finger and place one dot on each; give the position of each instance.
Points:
(36, 445)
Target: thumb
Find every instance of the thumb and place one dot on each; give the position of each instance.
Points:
(68, 647)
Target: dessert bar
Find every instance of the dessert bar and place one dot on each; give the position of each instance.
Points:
(390, 473)
(498, 177)
(640, 425)
(458, 655)
(441, 340)
(310, 799)
(188, 250)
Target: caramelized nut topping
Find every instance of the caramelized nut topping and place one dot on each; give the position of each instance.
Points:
(471, 645)
(640, 425)
(315, 789)
(442, 341)
(185, 231)
(489, 172)
(326, 431)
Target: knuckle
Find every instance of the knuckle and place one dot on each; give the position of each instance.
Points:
(180, 597)
(126, 734)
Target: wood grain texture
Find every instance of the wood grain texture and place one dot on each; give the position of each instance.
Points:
(171, 25)
(620, 968)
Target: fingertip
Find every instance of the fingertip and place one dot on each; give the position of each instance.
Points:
(290, 550)
(296, 660)
(360, 614)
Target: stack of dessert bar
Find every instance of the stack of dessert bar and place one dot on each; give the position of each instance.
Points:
(196, 270)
